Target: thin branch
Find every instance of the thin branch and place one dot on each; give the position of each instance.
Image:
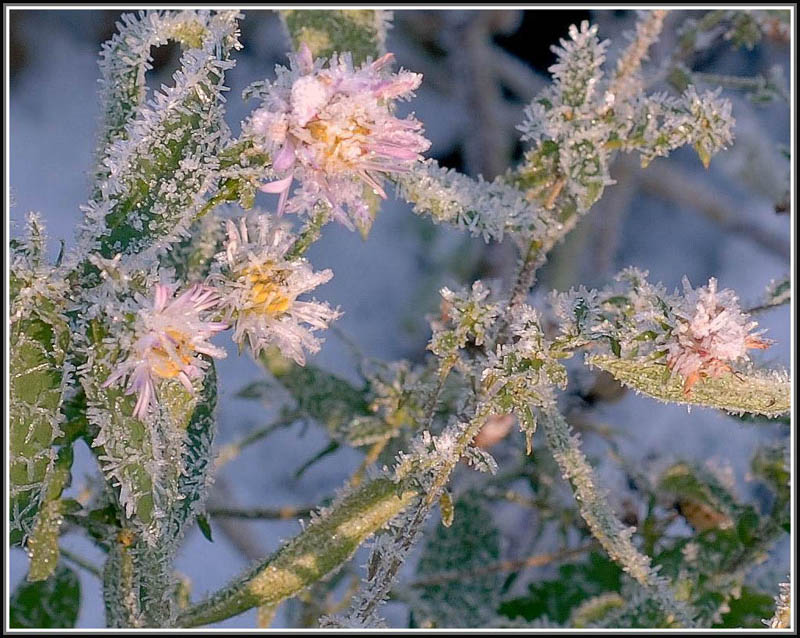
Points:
(82, 562)
(230, 451)
(287, 512)
(538, 560)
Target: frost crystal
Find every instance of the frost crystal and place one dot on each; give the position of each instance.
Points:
(259, 289)
(333, 130)
(171, 336)
(711, 332)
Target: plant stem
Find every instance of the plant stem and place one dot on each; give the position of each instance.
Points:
(325, 544)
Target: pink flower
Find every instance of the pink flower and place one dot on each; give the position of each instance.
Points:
(171, 336)
(712, 332)
(333, 130)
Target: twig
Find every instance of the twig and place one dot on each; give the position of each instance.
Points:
(538, 560)
(287, 512)
(82, 562)
(678, 186)
(230, 451)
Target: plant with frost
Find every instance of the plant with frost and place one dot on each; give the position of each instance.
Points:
(259, 287)
(105, 351)
(171, 336)
(331, 127)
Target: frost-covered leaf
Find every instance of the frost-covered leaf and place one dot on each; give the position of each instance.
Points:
(47, 604)
(39, 339)
(42, 544)
(471, 542)
(754, 392)
(324, 546)
(747, 610)
(163, 165)
(362, 32)
(126, 58)
(158, 466)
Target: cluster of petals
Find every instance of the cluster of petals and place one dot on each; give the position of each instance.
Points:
(332, 128)
(711, 333)
(171, 335)
(260, 286)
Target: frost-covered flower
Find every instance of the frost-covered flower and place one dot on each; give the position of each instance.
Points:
(711, 333)
(171, 336)
(333, 129)
(260, 287)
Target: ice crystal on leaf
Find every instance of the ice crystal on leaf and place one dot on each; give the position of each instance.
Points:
(711, 333)
(259, 287)
(332, 128)
(171, 336)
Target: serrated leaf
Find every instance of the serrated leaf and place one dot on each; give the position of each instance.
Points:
(753, 392)
(362, 32)
(38, 344)
(471, 542)
(47, 604)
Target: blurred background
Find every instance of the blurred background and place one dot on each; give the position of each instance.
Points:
(480, 69)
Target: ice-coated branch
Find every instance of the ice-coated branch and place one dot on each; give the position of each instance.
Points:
(626, 81)
(603, 523)
(324, 545)
(783, 610)
(487, 209)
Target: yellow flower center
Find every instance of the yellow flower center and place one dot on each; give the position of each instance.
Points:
(164, 364)
(267, 291)
(342, 143)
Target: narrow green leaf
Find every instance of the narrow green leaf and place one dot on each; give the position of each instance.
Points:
(325, 545)
(205, 527)
(43, 543)
(754, 392)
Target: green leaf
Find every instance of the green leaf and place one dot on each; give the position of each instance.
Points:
(362, 32)
(576, 583)
(754, 392)
(469, 543)
(164, 163)
(748, 610)
(319, 395)
(38, 345)
(43, 543)
(47, 604)
(205, 527)
(322, 547)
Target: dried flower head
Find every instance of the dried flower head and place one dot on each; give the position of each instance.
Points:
(711, 333)
(260, 287)
(333, 129)
(171, 336)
